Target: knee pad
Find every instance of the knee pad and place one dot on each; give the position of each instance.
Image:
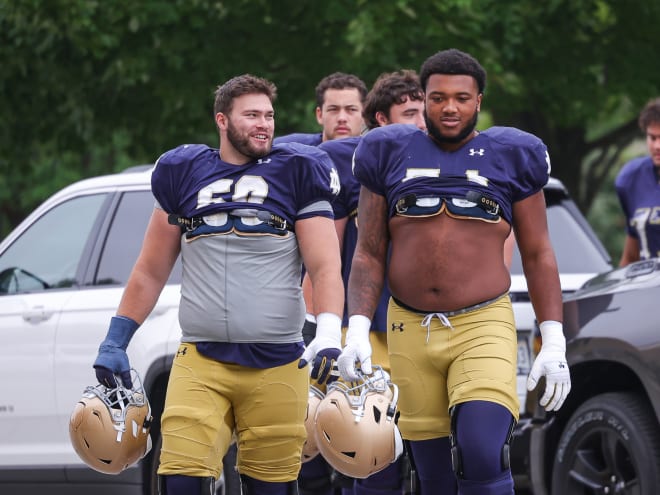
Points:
(179, 484)
(473, 411)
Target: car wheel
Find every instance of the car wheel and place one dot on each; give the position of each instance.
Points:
(610, 445)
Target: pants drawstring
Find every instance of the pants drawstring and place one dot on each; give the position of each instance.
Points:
(426, 322)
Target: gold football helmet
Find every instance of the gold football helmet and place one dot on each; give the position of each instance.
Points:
(109, 427)
(355, 425)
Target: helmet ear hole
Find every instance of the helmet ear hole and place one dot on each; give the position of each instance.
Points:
(109, 428)
(377, 414)
(355, 426)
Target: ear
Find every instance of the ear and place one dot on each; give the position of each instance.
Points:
(382, 119)
(479, 97)
(319, 115)
(221, 120)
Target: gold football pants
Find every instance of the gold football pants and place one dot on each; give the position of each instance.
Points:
(207, 400)
(437, 366)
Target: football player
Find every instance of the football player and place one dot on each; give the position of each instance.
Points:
(339, 102)
(443, 203)
(638, 188)
(244, 218)
(395, 97)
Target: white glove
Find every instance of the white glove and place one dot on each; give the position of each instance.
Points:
(551, 363)
(324, 349)
(358, 348)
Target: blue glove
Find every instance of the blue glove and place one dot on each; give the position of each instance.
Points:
(112, 358)
(324, 349)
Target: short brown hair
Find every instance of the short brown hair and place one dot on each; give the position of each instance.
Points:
(391, 88)
(650, 114)
(339, 80)
(238, 86)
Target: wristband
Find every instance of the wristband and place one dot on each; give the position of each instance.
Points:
(552, 334)
(358, 326)
(121, 331)
(328, 324)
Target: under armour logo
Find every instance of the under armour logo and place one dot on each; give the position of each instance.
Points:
(181, 351)
(397, 326)
(479, 152)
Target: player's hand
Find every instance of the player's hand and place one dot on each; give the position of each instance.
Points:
(324, 349)
(357, 349)
(112, 358)
(551, 363)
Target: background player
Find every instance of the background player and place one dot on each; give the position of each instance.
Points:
(339, 103)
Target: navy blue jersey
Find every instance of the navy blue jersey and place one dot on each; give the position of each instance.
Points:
(502, 164)
(341, 152)
(293, 182)
(193, 181)
(300, 137)
(639, 194)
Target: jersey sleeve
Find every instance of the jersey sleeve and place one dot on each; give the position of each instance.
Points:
(341, 153)
(317, 183)
(166, 174)
(368, 161)
(526, 158)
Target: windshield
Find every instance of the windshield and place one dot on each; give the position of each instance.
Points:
(574, 248)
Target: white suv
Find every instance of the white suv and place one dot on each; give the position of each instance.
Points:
(62, 273)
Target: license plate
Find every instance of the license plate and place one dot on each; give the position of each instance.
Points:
(524, 355)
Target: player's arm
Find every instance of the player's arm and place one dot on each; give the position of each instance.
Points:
(367, 276)
(630, 252)
(160, 249)
(317, 240)
(542, 275)
(159, 252)
(365, 283)
(340, 227)
(319, 247)
(309, 328)
(538, 258)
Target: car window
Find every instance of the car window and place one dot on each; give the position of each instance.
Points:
(124, 240)
(574, 250)
(47, 254)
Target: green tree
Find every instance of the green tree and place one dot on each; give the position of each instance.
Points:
(88, 87)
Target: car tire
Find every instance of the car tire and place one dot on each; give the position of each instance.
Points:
(611, 444)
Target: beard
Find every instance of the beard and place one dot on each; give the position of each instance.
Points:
(437, 136)
(242, 144)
